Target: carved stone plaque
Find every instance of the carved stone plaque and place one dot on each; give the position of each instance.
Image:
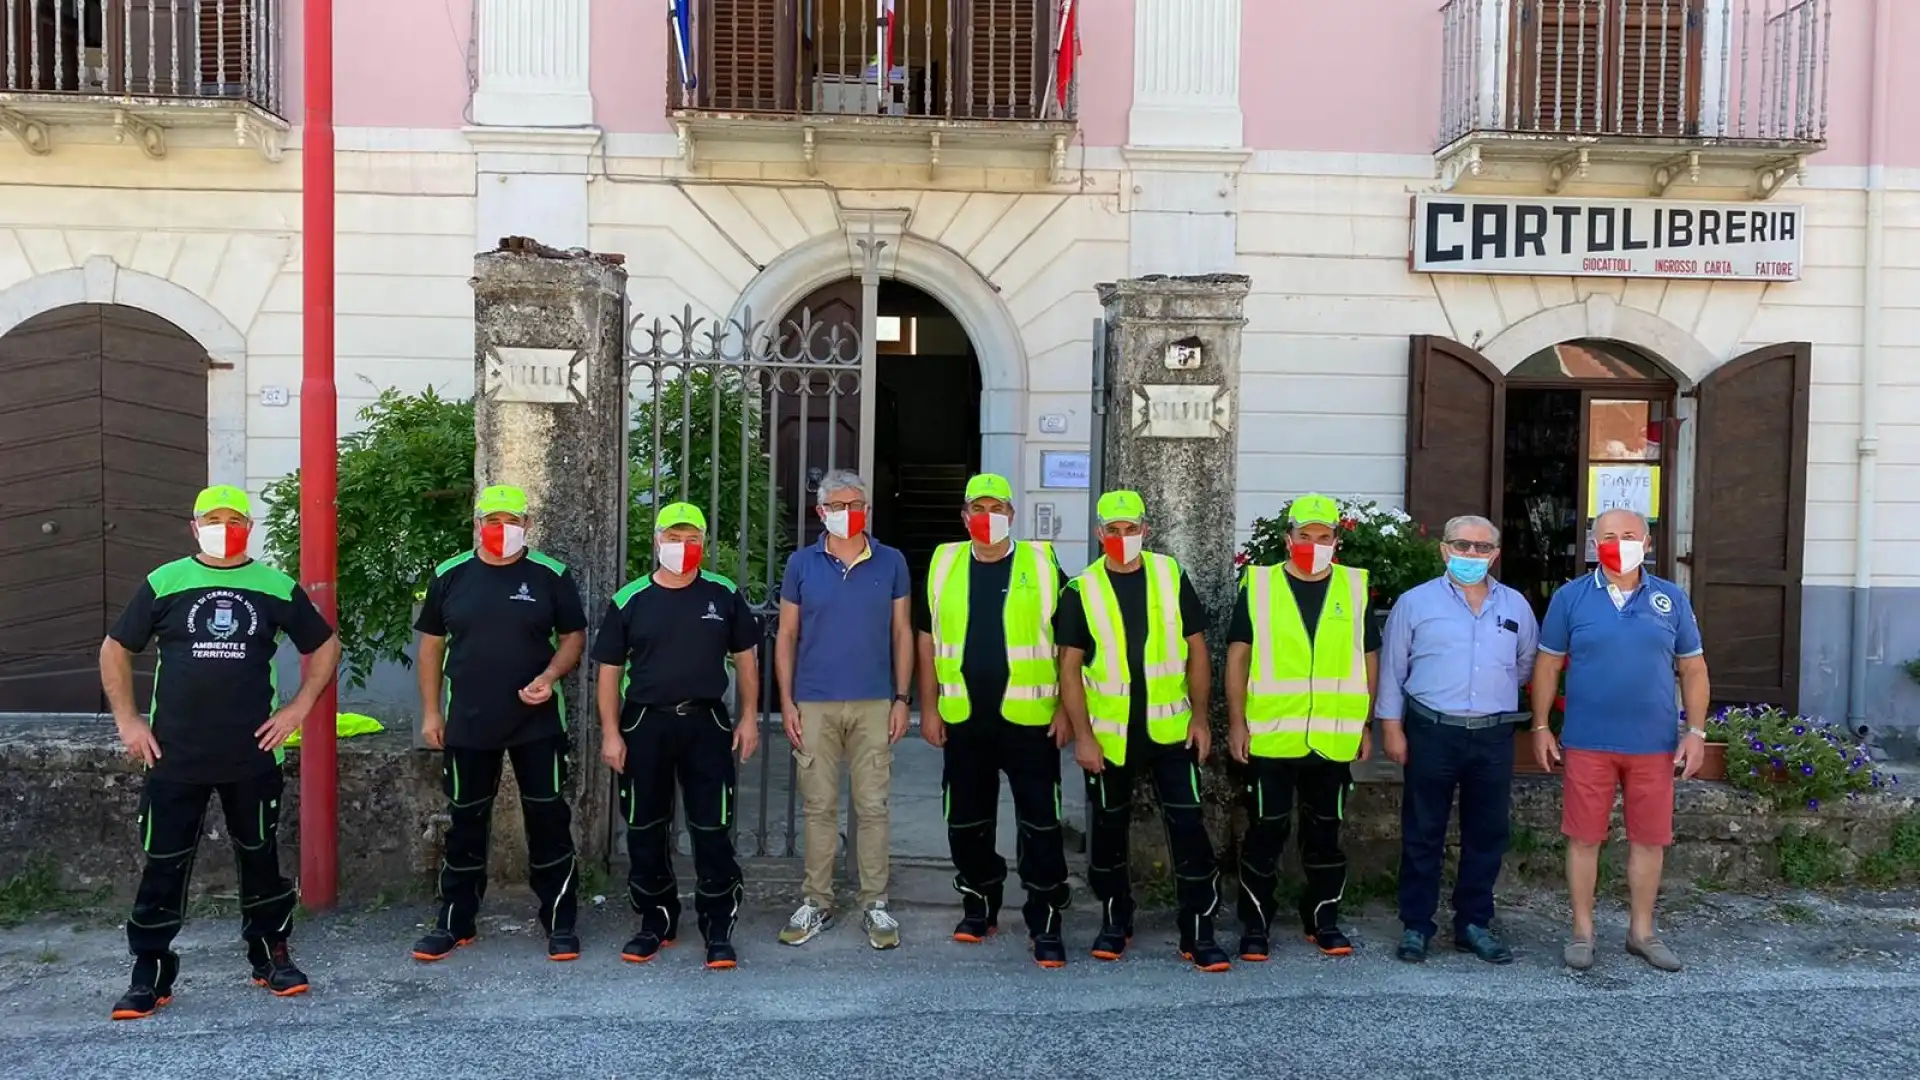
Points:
(539, 376)
(1182, 412)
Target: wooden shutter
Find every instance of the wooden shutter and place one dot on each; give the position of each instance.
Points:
(1003, 47)
(1456, 432)
(1749, 522)
(1657, 90)
(747, 50)
(228, 34)
(1581, 69)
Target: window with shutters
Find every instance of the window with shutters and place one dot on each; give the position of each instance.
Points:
(149, 66)
(911, 59)
(1610, 67)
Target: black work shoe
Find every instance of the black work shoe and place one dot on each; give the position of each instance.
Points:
(1207, 955)
(1049, 951)
(1331, 942)
(1413, 947)
(438, 944)
(150, 988)
(563, 945)
(278, 973)
(721, 955)
(1255, 946)
(979, 916)
(642, 947)
(1111, 942)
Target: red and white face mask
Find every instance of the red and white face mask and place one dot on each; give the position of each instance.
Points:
(678, 556)
(1311, 558)
(222, 540)
(1620, 556)
(988, 528)
(503, 541)
(1122, 549)
(845, 523)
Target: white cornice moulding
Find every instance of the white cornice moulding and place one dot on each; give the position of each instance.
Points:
(1185, 158)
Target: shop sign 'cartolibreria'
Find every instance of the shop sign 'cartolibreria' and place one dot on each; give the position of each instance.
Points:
(1644, 238)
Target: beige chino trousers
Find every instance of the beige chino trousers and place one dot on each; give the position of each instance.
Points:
(853, 734)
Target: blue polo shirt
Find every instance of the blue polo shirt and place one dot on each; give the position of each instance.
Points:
(1620, 653)
(846, 621)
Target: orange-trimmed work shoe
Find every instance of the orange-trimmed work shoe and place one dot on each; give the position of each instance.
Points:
(152, 986)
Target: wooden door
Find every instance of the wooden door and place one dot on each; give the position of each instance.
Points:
(1003, 48)
(51, 553)
(1456, 433)
(818, 430)
(1749, 522)
(747, 52)
(1608, 66)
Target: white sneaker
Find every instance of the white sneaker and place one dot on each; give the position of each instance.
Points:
(883, 930)
(807, 923)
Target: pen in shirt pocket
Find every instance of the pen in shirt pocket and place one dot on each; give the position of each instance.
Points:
(1509, 626)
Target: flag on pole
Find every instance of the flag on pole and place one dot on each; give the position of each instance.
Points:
(680, 15)
(1066, 52)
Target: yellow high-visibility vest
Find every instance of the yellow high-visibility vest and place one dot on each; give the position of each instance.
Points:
(1307, 694)
(1109, 683)
(1033, 591)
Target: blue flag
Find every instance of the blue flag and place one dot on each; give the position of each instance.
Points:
(681, 17)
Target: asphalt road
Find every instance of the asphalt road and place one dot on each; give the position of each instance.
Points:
(1804, 990)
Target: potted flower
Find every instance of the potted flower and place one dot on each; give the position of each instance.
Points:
(1795, 761)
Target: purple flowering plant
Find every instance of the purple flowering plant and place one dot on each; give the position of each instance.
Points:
(1796, 761)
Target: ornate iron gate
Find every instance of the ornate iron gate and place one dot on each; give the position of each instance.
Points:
(742, 418)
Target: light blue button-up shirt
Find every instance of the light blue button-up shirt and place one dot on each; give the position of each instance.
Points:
(1437, 651)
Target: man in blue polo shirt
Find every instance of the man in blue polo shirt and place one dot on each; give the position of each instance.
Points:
(1620, 633)
(845, 659)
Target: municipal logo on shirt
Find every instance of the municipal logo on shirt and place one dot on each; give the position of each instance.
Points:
(523, 594)
(216, 618)
(1662, 603)
(713, 613)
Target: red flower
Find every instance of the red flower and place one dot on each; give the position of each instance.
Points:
(1349, 524)
(1423, 530)
(1242, 559)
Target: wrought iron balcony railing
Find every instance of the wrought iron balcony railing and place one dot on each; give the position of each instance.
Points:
(1713, 72)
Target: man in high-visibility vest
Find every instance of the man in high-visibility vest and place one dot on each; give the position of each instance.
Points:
(1302, 661)
(989, 696)
(1134, 680)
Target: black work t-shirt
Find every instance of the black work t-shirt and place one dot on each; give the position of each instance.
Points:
(502, 625)
(218, 629)
(1130, 593)
(675, 642)
(983, 658)
(1311, 597)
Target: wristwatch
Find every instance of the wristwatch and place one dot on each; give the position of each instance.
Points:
(901, 698)
(1700, 731)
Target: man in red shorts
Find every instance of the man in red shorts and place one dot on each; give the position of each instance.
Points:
(1620, 632)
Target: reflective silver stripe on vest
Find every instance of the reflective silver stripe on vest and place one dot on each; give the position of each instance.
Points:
(1049, 590)
(1300, 726)
(946, 652)
(1166, 712)
(1307, 686)
(1036, 652)
(953, 690)
(1031, 693)
(1109, 727)
(1103, 633)
(1107, 689)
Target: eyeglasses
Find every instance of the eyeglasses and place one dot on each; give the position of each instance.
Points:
(837, 507)
(1476, 547)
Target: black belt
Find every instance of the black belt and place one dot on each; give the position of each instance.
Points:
(1472, 723)
(685, 708)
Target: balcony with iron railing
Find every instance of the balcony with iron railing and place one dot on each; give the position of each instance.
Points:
(1701, 94)
(930, 75)
(143, 69)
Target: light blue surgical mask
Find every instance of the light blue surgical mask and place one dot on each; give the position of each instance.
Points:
(1468, 570)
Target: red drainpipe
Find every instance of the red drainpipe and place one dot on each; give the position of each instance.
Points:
(319, 430)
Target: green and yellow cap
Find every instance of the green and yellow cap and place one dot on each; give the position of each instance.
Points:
(501, 499)
(680, 513)
(1314, 509)
(1121, 506)
(989, 486)
(222, 497)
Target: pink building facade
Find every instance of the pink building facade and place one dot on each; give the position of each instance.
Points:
(1510, 257)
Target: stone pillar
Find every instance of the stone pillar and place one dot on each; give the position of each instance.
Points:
(1185, 137)
(1172, 368)
(550, 416)
(533, 64)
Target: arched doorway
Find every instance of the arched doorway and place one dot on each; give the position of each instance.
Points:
(926, 415)
(103, 444)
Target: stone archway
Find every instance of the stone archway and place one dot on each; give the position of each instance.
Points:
(102, 281)
(943, 274)
(1601, 316)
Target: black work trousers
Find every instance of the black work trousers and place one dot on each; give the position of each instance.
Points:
(1175, 774)
(978, 750)
(1321, 787)
(171, 819)
(1442, 760)
(471, 780)
(691, 742)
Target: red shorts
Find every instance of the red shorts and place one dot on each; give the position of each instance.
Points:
(1592, 778)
